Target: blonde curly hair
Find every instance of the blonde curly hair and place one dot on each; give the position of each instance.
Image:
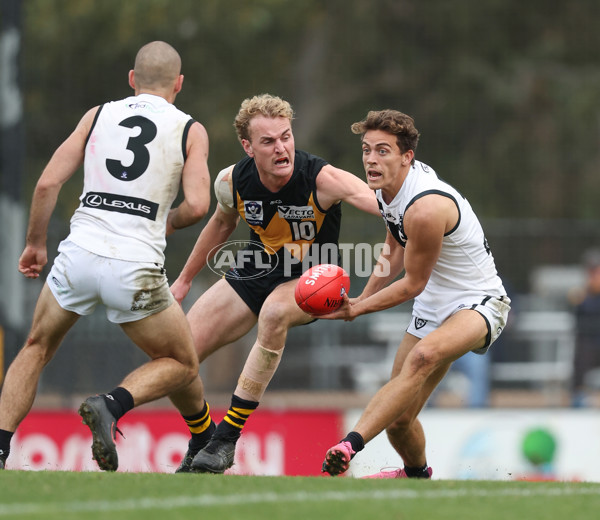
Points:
(263, 104)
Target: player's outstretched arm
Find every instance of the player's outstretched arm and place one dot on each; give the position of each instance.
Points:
(389, 266)
(334, 185)
(217, 230)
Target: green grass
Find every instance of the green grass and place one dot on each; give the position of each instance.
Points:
(65, 495)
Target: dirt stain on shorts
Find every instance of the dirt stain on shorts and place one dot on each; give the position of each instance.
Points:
(154, 293)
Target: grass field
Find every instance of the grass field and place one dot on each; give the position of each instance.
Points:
(52, 495)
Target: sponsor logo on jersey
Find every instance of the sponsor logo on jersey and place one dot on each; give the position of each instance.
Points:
(121, 204)
(254, 212)
(296, 212)
(139, 104)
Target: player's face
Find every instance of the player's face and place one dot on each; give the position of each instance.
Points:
(384, 163)
(272, 146)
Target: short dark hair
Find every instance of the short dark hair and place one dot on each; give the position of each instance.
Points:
(394, 122)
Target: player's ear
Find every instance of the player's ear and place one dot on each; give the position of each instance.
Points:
(179, 84)
(247, 145)
(132, 79)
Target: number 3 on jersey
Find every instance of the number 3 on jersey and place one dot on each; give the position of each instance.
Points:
(137, 145)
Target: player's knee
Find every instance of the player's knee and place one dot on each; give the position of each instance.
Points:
(424, 359)
(190, 372)
(190, 365)
(273, 315)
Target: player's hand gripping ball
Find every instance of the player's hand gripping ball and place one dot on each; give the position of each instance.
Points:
(321, 289)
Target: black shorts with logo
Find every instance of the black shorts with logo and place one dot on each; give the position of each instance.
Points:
(254, 285)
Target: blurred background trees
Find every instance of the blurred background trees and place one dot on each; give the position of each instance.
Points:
(506, 94)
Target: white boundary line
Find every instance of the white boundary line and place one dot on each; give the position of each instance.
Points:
(261, 498)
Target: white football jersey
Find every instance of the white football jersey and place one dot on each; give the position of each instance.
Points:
(465, 264)
(133, 162)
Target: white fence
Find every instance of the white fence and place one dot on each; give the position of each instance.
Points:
(549, 337)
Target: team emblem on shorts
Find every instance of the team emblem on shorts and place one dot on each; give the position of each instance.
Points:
(420, 323)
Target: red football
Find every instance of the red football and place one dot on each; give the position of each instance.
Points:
(321, 289)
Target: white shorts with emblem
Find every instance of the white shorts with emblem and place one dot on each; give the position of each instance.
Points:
(494, 311)
(131, 291)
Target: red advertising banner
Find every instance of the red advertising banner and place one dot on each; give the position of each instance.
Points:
(291, 442)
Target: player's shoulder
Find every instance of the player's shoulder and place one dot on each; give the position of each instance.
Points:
(196, 130)
(303, 155)
(224, 191)
(308, 163)
(225, 174)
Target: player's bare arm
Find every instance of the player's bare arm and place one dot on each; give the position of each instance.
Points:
(425, 224)
(390, 265)
(195, 181)
(63, 164)
(334, 185)
(217, 230)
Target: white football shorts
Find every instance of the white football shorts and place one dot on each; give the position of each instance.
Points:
(79, 280)
(493, 309)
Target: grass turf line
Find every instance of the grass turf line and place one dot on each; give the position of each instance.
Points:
(53, 495)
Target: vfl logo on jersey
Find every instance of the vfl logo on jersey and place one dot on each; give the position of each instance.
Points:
(420, 323)
(254, 212)
(121, 204)
(296, 212)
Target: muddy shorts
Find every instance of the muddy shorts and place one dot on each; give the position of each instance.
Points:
(130, 291)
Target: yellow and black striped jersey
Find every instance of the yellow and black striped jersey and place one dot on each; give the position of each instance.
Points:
(289, 223)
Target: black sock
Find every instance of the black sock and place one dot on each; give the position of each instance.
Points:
(201, 427)
(356, 441)
(419, 472)
(230, 427)
(119, 402)
(5, 437)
